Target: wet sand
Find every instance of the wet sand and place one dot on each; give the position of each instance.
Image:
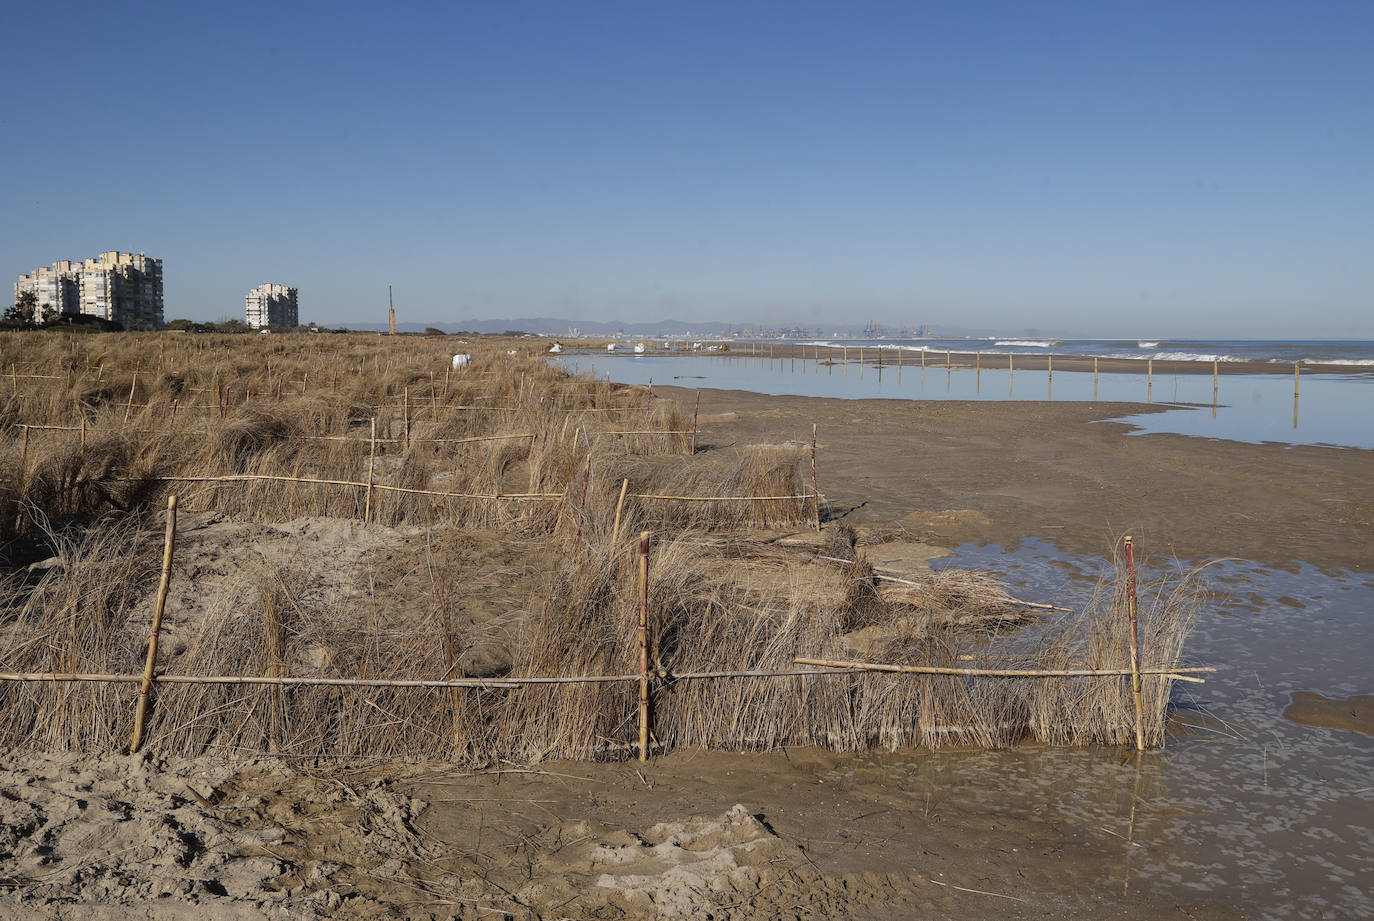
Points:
(1000, 471)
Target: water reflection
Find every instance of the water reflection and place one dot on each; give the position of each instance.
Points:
(1243, 407)
(1276, 815)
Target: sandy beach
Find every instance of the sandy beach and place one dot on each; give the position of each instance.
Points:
(997, 472)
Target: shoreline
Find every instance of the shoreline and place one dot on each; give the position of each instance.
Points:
(890, 357)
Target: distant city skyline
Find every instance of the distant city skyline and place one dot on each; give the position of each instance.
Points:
(1175, 170)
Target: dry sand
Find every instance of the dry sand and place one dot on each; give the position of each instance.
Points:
(794, 834)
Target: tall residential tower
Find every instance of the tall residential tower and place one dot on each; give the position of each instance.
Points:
(271, 305)
(125, 288)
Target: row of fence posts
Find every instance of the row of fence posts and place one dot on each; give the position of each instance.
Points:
(1011, 371)
(643, 678)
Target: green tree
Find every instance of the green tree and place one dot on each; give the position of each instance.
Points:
(24, 310)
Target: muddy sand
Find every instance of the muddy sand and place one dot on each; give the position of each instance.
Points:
(787, 834)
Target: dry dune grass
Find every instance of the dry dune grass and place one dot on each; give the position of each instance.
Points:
(151, 406)
(303, 407)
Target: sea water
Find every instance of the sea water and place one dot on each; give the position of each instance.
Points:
(1309, 352)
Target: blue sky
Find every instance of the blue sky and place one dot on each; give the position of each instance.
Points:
(1093, 169)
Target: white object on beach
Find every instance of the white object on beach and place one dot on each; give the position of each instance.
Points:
(610, 346)
(461, 361)
(639, 348)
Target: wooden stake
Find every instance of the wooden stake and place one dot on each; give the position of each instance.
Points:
(815, 488)
(83, 431)
(619, 506)
(1149, 380)
(1094, 378)
(648, 403)
(129, 408)
(1179, 674)
(1296, 368)
(1135, 647)
(582, 502)
(146, 687)
(644, 646)
(405, 420)
(24, 453)
(371, 465)
(695, 410)
(1215, 383)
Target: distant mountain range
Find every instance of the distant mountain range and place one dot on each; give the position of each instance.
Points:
(557, 326)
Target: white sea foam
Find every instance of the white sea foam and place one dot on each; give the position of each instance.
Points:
(1362, 362)
(1147, 345)
(1192, 356)
(1029, 343)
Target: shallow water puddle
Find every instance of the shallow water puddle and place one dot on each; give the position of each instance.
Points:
(1274, 815)
(1332, 409)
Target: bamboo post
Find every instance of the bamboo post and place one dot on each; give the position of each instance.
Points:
(405, 420)
(173, 422)
(582, 502)
(371, 465)
(947, 364)
(815, 488)
(1149, 380)
(1215, 382)
(24, 452)
(1094, 378)
(434, 397)
(1296, 368)
(146, 687)
(619, 507)
(694, 411)
(129, 407)
(644, 646)
(1135, 646)
(83, 431)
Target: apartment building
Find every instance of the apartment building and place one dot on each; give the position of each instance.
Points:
(56, 288)
(271, 305)
(125, 288)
